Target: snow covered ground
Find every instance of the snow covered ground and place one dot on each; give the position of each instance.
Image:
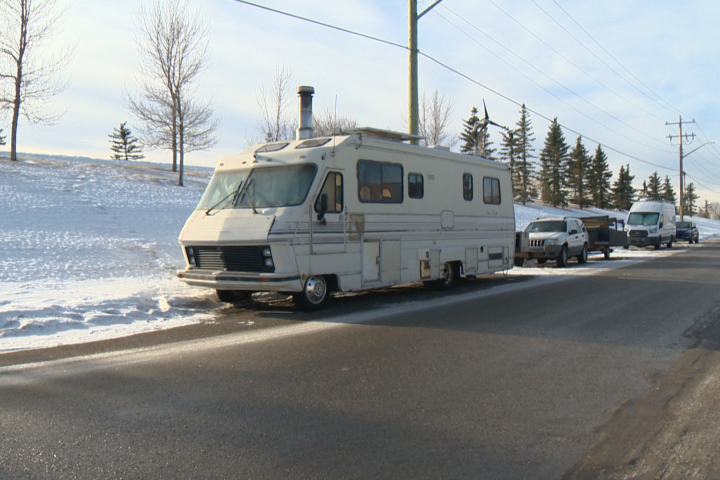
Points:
(89, 250)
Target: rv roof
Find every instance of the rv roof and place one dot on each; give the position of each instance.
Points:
(384, 134)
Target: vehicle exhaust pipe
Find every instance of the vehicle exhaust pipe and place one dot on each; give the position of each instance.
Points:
(305, 128)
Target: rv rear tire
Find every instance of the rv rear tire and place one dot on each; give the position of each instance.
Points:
(314, 294)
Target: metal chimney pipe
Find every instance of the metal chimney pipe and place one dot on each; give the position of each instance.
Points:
(305, 129)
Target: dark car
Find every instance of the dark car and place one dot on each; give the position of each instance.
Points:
(687, 231)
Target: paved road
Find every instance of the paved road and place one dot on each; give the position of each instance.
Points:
(598, 376)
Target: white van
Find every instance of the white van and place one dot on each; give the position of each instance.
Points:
(651, 223)
(350, 212)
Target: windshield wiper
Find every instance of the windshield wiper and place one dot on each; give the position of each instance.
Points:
(234, 192)
(246, 189)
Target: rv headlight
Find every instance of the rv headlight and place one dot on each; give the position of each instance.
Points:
(190, 255)
(266, 252)
(551, 241)
(269, 262)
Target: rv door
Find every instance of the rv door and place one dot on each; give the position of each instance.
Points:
(329, 228)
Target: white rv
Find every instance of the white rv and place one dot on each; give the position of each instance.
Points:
(349, 212)
(651, 223)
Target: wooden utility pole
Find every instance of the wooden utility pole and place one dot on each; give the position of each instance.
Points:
(413, 108)
(687, 136)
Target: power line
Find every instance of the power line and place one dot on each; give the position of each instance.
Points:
(573, 63)
(553, 80)
(668, 105)
(447, 67)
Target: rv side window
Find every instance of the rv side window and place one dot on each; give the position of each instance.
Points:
(491, 190)
(333, 188)
(379, 182)
(416, 186)
(467, 186)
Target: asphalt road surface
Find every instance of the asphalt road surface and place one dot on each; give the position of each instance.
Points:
(610, 375)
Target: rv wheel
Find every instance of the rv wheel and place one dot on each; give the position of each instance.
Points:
(450, 275)
(314, 294)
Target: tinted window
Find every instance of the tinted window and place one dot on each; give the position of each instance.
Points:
(467, 186)
(491, 190)
(416, 187)
(313, 142)
(380, 182)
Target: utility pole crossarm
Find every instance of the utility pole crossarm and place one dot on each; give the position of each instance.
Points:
(428, 9)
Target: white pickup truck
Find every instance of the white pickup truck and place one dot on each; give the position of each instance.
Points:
(552, 239)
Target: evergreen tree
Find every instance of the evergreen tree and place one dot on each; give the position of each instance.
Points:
(599, 179)
(124, 145)
(553, 161)
(2, 137)
(471, 135)
(524, 181)
(690, 200)
(509, 153)
(485, 143)
(623, 191)
(654, 187)
(668, 194)
(579, 165)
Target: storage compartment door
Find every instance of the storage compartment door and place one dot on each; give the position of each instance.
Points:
(390, 260)
(371, 261)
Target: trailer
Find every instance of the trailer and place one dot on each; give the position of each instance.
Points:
(604, 233)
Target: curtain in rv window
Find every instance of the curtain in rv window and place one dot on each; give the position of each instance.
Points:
(379, 182)
(491, 190)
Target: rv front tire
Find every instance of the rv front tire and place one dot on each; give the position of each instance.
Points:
(314, 294)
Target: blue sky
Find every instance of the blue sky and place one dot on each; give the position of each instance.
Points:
(513, 47)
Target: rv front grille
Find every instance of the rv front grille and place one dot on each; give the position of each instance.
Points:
(638, 233)
(232, 259)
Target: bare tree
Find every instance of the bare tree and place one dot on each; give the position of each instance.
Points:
(434, 119)
(173, 46)
(275, 119)
(29, 79)
(325, 123)
(714, 210)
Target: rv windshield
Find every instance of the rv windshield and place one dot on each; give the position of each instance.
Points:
(258, 188)
(643, 218)
(549, 226)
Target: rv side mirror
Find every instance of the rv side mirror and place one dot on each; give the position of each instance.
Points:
(323, 207)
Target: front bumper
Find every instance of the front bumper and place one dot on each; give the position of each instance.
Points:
(547, 251)
(256, 282)
(643, 241)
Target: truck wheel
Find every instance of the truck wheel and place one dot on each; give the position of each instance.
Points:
(232, 296)
(606, 253)
(519, 262)
(562, 258)
(314, 294)
(582, 258)
(657, 245)
(670, 243)
(697, 239)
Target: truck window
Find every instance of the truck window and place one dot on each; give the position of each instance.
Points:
(416, 186)
(491, 190)
(333, 188)
(379, 182)
(467, 186)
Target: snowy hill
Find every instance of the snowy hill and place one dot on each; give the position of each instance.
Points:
(90, 249)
